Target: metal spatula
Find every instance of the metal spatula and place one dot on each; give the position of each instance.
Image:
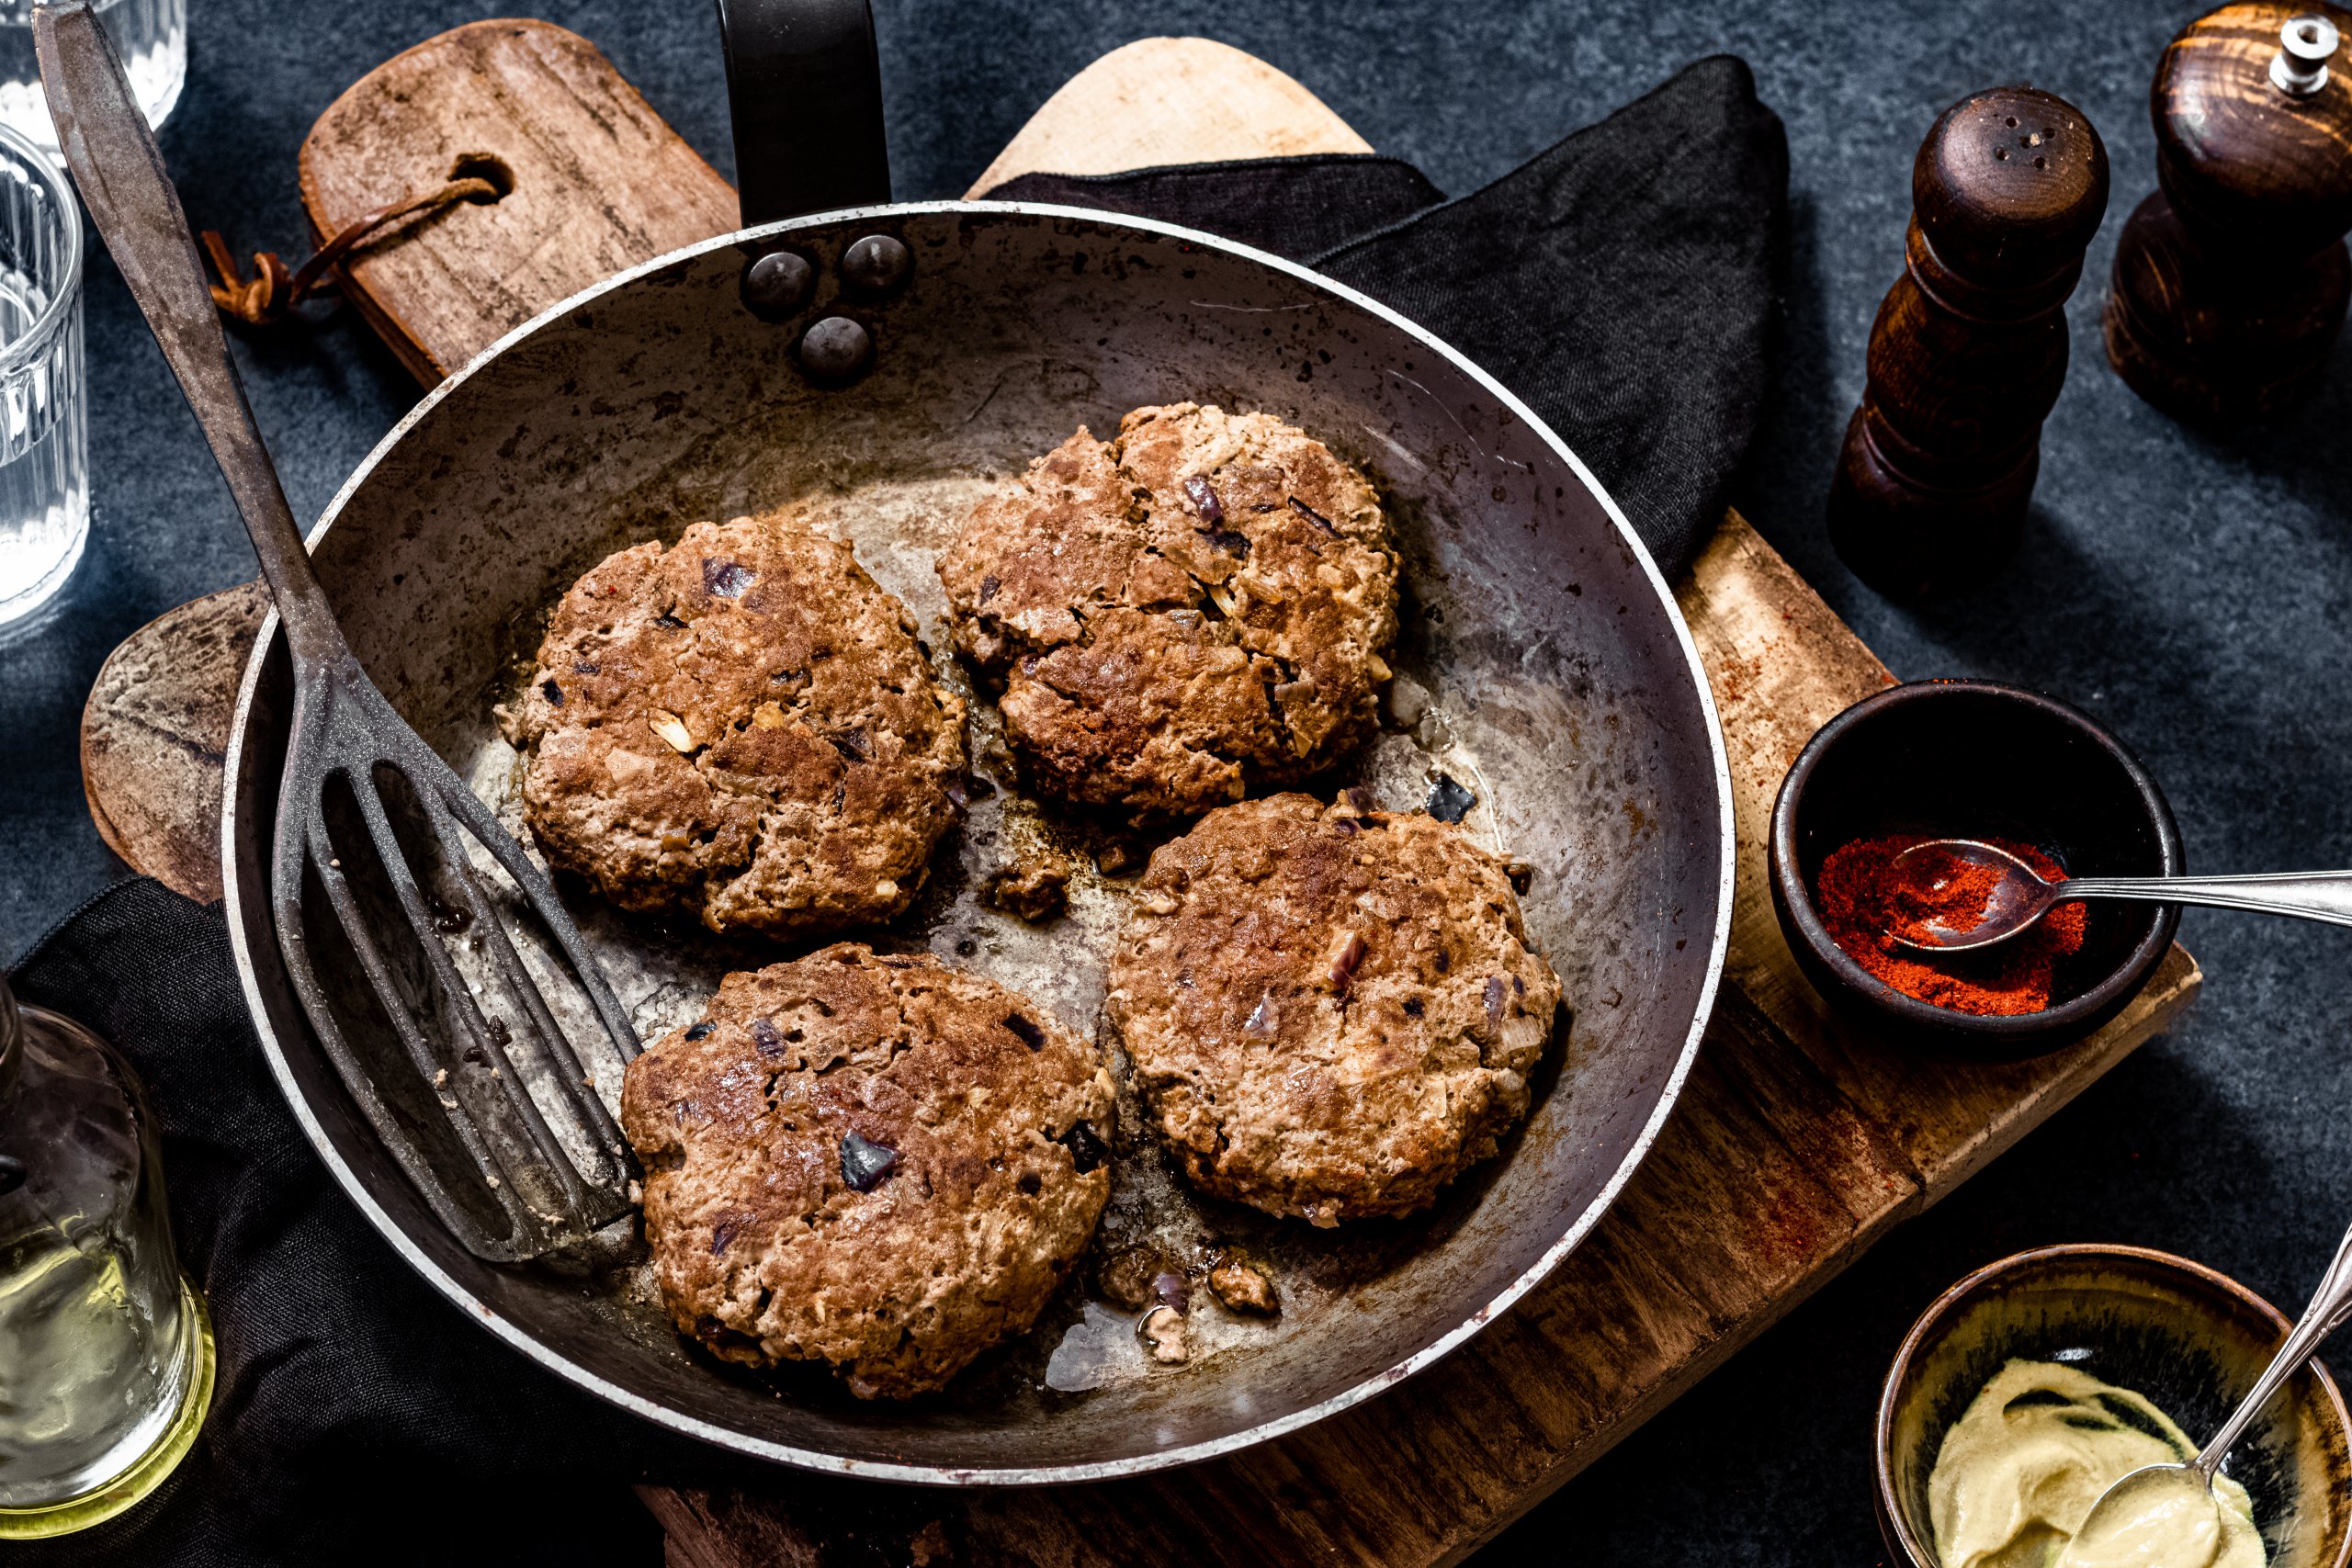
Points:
(441, 1023)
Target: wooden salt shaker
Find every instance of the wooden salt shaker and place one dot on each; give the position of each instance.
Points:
(1969, 349)
(2231, 280)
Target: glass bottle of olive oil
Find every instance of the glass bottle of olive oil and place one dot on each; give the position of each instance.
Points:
(106, 1356)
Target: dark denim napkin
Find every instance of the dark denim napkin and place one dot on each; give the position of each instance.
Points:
(1621, 282)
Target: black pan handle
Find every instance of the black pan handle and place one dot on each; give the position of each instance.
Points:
(804, 85)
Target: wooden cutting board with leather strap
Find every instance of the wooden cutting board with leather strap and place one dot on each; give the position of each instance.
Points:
(1797, 1143)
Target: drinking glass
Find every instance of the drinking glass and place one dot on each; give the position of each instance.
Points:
(44, 433)
(106, 1353)
(150, 35)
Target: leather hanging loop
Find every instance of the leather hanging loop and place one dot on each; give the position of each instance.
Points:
(273, 291)
(804, 90)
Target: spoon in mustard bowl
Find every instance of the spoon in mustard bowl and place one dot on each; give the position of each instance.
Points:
(2167, 1516)
(1941, 875)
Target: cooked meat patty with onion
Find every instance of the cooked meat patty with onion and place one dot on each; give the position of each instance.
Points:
(742, 725)
(1198, 606)
(1332, 1011)
(870, 1160)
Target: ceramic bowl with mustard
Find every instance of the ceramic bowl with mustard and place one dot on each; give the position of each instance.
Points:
(2031, 1385)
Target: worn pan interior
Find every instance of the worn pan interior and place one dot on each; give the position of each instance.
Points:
(1560, 684)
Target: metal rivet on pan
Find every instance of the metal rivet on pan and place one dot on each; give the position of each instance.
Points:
(875, 267)
(778, 284)
(836, 350)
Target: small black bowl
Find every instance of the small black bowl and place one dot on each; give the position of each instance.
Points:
(1973, 758)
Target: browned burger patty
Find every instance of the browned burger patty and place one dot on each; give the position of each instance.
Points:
(742, 725)
(1196, 606)
(1331, 1013)
(878, 1162)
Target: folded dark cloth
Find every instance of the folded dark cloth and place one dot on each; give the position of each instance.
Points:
(1620, 282)
(1623, 282)
(1297, 208)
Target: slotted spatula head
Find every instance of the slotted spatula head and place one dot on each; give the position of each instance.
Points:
(444, 981)
(441, 973)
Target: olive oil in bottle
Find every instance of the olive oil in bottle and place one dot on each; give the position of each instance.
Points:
(106, 1357)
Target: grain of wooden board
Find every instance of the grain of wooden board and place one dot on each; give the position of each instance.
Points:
(155, 732)
(1170, 100)
(594, 181)
(1797, 1142)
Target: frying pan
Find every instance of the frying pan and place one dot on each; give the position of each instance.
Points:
(1541, 663)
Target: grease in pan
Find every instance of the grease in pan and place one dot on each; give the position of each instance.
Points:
(1385, 1010)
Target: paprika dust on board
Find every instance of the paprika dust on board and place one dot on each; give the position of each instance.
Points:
(1865, 899)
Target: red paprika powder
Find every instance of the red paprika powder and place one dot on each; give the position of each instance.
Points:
(1865, 900)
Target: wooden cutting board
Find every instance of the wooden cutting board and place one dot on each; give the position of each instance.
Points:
(1797, 1142)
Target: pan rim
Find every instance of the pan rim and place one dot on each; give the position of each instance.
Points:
(728, 1437)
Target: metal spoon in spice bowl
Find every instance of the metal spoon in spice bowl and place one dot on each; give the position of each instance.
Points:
(2167, 1514)
(1958, 894)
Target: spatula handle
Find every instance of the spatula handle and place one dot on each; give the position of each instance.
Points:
(106, 145)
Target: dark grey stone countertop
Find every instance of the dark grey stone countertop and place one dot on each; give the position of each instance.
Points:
(2190, 591)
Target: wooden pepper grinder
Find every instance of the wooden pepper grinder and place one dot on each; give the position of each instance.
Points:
(1969, 349)
(2231, 279)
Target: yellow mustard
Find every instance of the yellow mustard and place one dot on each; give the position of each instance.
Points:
(2018, 1471)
